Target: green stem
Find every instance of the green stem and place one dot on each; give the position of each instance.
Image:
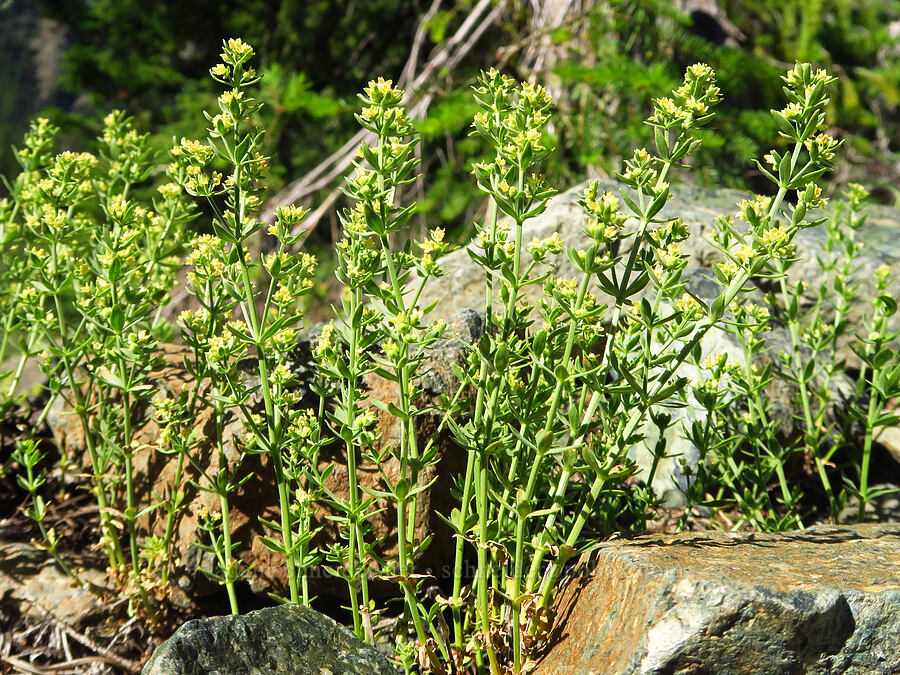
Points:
(113, 549)
(521, 517)
(171, 511)
(30, 344)
(472, 461)
(535, 568)
(812, 437)
(228, 572)
(4, 342)
(273, 418)
(130, 501)
(406, 507)
(406, 583)
(223, 485)
(356, 530)
(38, 517)
(481, 501)
(455, 604)
(872, 415)
(583, 514)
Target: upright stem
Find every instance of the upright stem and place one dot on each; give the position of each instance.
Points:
(482, 466)
(521, 517)
(812, 438)
(223, 485)
(354, 542)
(456, 602)
(872, 414)
(406, 506)
(113, 549)
(273, 414)
(472, 461)
(172, 508)
(871, 417)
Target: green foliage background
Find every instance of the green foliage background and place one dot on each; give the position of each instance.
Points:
(610, 57)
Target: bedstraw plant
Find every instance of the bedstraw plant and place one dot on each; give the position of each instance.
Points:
(224, 281)
(92, 268)
(569, 376)
(380, 329)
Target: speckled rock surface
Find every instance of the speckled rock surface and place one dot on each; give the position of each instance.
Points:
(289, 639)
(825, 600)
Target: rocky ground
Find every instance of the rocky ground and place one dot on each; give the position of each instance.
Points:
(48, 625)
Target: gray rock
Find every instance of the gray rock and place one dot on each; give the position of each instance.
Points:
(289, 639)
(463, 286)
(31, 583)
(713, 602)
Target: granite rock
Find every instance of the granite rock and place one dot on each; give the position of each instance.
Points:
(816, 601)
(288, 639)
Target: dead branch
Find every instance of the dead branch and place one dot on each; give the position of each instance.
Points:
(420, 90)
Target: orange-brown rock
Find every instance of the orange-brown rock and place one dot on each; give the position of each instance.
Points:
(822, 600)
(258, 498)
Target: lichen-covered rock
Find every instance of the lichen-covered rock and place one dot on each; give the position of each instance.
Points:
(821, 600)
(289, 639)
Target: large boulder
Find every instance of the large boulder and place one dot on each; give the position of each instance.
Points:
(289, 639)
(821, 600)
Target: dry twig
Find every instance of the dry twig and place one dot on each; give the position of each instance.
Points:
(103, 654)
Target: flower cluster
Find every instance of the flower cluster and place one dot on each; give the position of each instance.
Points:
(513, 119)
(231, 72)
(383, 114)
(690, 104)
(605, 223)
(540, 248)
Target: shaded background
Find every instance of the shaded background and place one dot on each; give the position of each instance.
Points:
(73, 60)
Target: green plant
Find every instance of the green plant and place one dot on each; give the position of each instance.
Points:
(29, 457)
(223, 280)
(33, 158)
(565, 381)
(744, 447)
(381, 329)
(880, 375)
(89, 271)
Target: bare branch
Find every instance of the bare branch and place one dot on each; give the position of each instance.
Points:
(420, 92)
